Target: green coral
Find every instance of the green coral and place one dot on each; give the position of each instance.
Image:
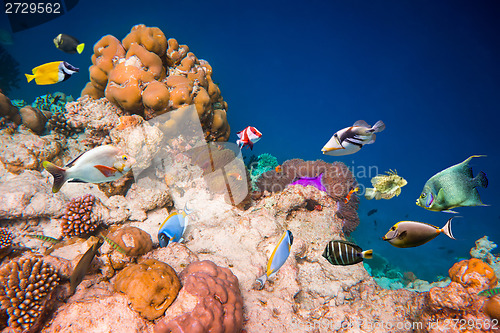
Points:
(263, 163)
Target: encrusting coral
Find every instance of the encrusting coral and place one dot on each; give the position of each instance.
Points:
(209, 301)
(151, 287)
(24, 286)
(78, 219)
(147, 74)
(134, 241)
(473, 274)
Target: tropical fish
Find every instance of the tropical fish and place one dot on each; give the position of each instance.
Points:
(340, 252)
(174, 226)
(68, 44)
(99, 165)
(490, 292)
(44, 238)
(52, 72)
(278, 257)
(248, 137)
(351, 139)
(83, 265)
(412, 233)
(371, 212)
(113, 244)
(348, 196)
(235, 175)
(453, 187)
(278, 169)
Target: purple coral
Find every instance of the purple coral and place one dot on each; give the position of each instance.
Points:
(78, 220)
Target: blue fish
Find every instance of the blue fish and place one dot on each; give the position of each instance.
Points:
(278, 257)
(172, 229)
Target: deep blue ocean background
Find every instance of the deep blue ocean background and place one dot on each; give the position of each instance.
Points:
(300, 71)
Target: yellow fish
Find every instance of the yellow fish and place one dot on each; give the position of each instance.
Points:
(52, 72)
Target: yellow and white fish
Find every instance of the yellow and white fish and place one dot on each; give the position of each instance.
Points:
(99, 165)
(52, 72)
(351, 139)
(413, 233)
(278, 257)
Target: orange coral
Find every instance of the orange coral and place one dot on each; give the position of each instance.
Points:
(106, 51)
(132, 240)
(152, 39)
(473, 274)
(129, 121)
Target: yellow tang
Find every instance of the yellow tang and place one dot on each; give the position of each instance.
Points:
(52, 72)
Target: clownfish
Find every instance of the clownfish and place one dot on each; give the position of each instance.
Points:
(278, 169)
(351, 139)
(52, 72)
(278, 257)
(348, 196)
(248, 137)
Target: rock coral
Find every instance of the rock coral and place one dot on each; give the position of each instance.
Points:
(24, 286)
(147, 74)
(209, 301)
(132, 240)
(151, 287)
(78, 219)
(33, 118)
(385, 186)
(6, 238)
(473, 274)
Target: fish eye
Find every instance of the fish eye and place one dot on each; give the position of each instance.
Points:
(393, 228)
(422, 195)
(124, 157)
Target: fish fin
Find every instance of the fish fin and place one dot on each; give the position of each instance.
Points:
(29, 77)
(440, 196)
(239, 143)
(368, 254)
(106, 170)
(74, 160)
(481, 179)
(447, 228)
(450, 211)
(58, 173)
(250, 144)
(80, 47)
(378, 127)
(361, 123)
(76, 181)
(372, 140)
(262, 280)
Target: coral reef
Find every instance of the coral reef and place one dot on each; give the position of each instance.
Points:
(482, 251)
(24, 287)
(33, 118)
(9, 71)
(257, 166)
(151, 287)
(6, 238)
(78, 219)
(209, 301)
(9, 115)
(132, 240)
(147, 74)
(474, 274)
(385, 186)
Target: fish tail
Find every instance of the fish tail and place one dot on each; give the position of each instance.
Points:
(239, 143)
(262, 280)
(378, 127)
(58, 173)
(481, 179)
(80, 47)
(368, 254)
(447, 229)
(29, 77)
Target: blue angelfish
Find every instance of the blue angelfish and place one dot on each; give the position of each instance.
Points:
(278, 257)
(172, 229)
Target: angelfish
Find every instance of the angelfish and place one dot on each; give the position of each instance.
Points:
(351, 139)
(68, 44)
(174, 226)
(278, 257)
(412, 233)
(99, 165)
(453, 187)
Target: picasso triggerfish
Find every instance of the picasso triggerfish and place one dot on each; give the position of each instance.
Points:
(351, 139)
(278, 257)
(412, 233)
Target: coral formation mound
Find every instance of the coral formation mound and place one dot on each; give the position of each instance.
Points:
(78, 219)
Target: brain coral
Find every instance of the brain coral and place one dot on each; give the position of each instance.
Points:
(77, 219)
(147, 74)
(210, 301)
(473, 274)
(24, 286)
(151, 287)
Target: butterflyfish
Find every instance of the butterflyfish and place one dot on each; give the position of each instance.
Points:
(278, 257)
(68, 44)
(174, 226)
(344, 253)
(52, 72)
(248, 137)
(99, 165)
(412, 233)
(351, 139)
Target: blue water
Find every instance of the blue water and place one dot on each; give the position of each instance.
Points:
(299, 71)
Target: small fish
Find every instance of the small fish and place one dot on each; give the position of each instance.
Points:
(83, 265)
(278, 257)
(235, 175)
(52, 72)
(453, 187)
(99, 165)
(340, 252)
(371, 212)
(351, 139)
(113, 244)
(411, 233)
(44, 238)
(248, 137)
(348, 196)
(490, 292)
(68, 44)
(278, 169)
(174, 226)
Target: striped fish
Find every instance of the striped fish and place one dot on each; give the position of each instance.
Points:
(490, 292)
(340, 252)
(113, 244)
(44, 238)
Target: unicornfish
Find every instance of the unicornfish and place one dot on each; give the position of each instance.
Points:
(278, 257)
(351, 139)
(340, 252)
(413, 233)
(172, 229)
(52, 72)
(99, 165)
(453, 187)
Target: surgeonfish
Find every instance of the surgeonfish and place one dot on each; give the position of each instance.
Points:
(348, 196)
(411, 233)
(52, 72)
(340, 252)
(278, 257)
(490, 292)
(351, 139)
(248, 137)
(68, 44)
(174, 226)
(83, 265)
(99, 165)
(453, 187)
